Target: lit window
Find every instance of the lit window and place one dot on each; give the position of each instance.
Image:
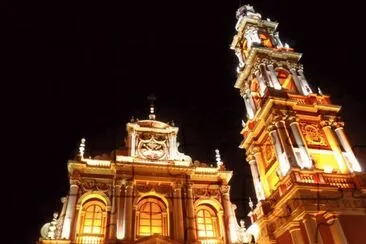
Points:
(206, 222)
(92, 220)
(286, 80)
(151, 217)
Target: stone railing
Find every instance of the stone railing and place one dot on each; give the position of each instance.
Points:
(210, 241)
(310, 178)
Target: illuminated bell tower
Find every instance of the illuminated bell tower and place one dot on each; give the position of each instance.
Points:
(307, 180)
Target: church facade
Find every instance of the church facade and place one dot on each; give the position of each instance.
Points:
(309, 185)
(147, 193)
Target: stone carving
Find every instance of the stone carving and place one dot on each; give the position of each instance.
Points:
(268, 152)
(93, 185)
(152, 146)
(313, 135)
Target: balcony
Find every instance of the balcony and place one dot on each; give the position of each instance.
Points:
(211, 241)
(89, 239)
(315, 178)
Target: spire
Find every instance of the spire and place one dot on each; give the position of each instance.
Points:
(152, 98)
(320, 91)
(51, 233)
(82, 148)
(251, 204)
(218, 158)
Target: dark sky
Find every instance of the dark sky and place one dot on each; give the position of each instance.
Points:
(83, 69)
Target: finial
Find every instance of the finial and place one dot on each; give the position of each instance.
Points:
(172, 123)
(286, 45)
(152, 98)
(242, 223)
(250, 204)
(132, 120)
(320, 91)
(82, 148)
(218, 158)
(51, 234)
(243, 123)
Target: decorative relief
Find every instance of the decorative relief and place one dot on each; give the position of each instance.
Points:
(152, 146)
(268, 152)
(314, 135)
(161, 189)
(206, 193)
(144, 188)
(93, 185)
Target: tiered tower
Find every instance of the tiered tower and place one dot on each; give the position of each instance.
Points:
(307, 180)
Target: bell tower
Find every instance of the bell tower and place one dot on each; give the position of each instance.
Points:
(302, 164)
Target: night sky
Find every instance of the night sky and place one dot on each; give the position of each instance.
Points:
(82, 69)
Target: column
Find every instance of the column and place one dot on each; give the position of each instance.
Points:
(306, 88)
(129, 210)
(296, 235)
(281, 157)
(264, 74)
(229, 227)
(133, 142)
(112, 224)
(178, 214)
(326, 126)
(120, 219)
(336, 229)
(70, 209)
(345, 143)
(272, 73)
(312, 231)
(261, 82)
(251, 102)
(286, 143)
(262, 174)
(248, 106)
(191, 215)
(172, 145)
(305, 157)
(278, 40)
(297, 81)
(60, 220)
(256, 181)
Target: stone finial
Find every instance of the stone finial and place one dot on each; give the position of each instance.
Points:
(218, 158)
(82, 148)
(251, 204)
(152, 115)
(320, 91)
(51, 234)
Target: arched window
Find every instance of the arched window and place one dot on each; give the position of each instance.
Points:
(151, 217)
(207, 223)
(266, 39)
(286, 80)
(92, 222)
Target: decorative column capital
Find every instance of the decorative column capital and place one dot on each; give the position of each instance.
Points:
(338, 124)
(256, 150)
(75, 182)
(271, 127)
(294, 226)
(291, 119)
(325, 123)
(177, 185)
(120, 182)
(225, 189)
(250, 158)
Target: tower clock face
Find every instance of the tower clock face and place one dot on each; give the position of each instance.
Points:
(152, 146)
